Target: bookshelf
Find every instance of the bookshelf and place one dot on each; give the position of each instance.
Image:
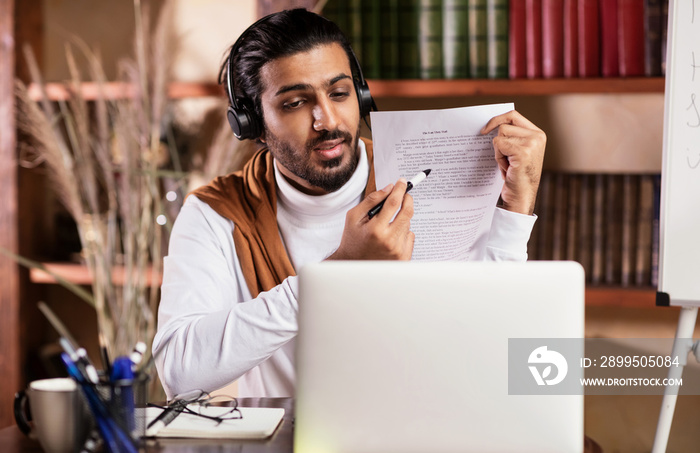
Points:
(411, 89)
(19, 323)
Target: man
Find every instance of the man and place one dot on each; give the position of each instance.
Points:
(229, 294)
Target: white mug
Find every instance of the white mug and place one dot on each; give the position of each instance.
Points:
(60, 420)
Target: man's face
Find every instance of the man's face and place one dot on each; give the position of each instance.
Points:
(312, 117)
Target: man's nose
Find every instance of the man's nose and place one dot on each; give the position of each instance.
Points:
(325, 116)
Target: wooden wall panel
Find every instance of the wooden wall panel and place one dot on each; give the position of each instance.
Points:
(10, 369)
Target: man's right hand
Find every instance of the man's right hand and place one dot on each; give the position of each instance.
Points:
(379, 238)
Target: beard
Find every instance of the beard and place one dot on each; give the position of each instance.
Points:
(329, 175)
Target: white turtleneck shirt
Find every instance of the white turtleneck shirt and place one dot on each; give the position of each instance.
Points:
(211, 331)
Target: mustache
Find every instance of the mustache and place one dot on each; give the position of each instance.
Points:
(329, 135)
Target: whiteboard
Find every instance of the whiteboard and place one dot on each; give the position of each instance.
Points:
(679, 240)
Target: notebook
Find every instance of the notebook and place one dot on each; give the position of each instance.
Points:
(255, 423)
(412, 356)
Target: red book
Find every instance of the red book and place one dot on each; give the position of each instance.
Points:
(610, 63)
(570, 38)
(588, 39)
(533, 32)
(552, 38)
(652, 36)
(517, 40)
(630, 17)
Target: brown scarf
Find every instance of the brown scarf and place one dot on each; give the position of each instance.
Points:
(249, 198)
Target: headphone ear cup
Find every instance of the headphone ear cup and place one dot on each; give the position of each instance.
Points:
(364, 98)
(243, 123)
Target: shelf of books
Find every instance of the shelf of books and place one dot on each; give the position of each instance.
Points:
(609, 223)
(448, 48)
(511, 39)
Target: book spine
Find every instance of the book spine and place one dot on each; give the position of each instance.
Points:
(497, 38)
(652, 34)
(552, 38)
(609, 47)
(655, 231)
(613, 229)
(533, 32)
(430, 39)
(371, 39)
(644, 231)
(570, 38)
(664, 34)
(478, 51)
(336, 11)
(629, 232)
(585, 225)
(389, 15)
(409, 64)
(559, 217)
(588, 39)
(354, 33)
(597, 232)
(544, 237)
(455, 38)
(517, 44)
(573, 220)
(630, 16)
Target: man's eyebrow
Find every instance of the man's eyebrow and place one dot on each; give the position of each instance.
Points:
(307, 86)
(338, 78)
(296, 87)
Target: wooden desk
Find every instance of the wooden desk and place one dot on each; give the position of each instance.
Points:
(13, 441)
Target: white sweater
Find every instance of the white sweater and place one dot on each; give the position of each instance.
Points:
(211, 331)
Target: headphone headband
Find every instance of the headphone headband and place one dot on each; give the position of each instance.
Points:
(246, 124)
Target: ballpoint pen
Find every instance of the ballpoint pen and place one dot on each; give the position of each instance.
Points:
(80, 359)
(116, 440)
(163, 419)
(176, 407)
(137, 354)
(410, 185)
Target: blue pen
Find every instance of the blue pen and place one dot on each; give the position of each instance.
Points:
(121, 380)
(102, 424)
(80, 359)
(113, 435)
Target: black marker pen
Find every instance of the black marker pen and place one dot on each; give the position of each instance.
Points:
(410, 185)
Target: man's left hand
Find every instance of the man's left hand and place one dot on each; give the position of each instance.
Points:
(519, 148)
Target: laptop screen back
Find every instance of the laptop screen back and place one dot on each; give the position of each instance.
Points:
(413, 356)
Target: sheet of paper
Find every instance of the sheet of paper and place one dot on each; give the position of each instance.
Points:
(454, 206)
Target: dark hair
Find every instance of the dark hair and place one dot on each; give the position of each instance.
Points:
(278, 35)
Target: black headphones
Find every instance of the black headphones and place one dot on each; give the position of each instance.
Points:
(246, 124)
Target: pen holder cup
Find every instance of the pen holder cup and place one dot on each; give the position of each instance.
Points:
(125, 402)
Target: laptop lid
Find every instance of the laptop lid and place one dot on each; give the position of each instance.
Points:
(413, 356)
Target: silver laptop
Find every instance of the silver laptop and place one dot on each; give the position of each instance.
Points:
(413, 357)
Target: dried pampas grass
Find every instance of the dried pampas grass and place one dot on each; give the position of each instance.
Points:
(102, 158)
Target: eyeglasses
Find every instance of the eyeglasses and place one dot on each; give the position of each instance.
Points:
(202, 404)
